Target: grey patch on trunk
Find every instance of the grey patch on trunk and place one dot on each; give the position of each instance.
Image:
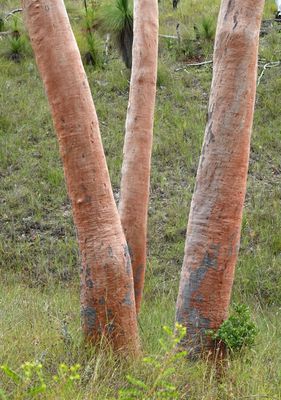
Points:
(199, 322)
(197, 328)
(210, 261)
(110, 251)
(110, 327)
(89, 317)
(199, 298)
(89, 283)
(127, 299)
(128, 259)
(210, 137)
(235, 20)
(230, 7)
(102, 301)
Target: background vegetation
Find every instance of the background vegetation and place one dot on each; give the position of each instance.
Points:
(39, 285)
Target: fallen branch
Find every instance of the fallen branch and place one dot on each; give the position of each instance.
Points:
(266, 66)
(194, 65)
(9, 14)
(169, 36)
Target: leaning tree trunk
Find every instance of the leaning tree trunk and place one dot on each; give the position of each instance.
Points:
(107, 296)
(213, 231)
(138, 139)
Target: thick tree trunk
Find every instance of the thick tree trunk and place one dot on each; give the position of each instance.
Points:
(138, 139)
(213, 231)
(107, 296)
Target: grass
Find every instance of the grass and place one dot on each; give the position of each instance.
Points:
(39, 264)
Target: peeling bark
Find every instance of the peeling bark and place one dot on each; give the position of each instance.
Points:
(138, 139)
(213, 232)
(107, 296)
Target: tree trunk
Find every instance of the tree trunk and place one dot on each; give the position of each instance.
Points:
(138, 139)
(213, 231)
(107, 297)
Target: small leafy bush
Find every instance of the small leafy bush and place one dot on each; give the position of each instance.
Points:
(31, 380)
(162, 367)
(238, 331)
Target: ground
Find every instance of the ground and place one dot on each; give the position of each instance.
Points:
(39, 264)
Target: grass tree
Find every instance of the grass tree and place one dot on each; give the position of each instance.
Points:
(107, 294)
(213, 232)
(117, 19)
(135, 180)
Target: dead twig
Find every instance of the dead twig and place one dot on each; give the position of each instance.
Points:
(265, 67)
(168, 36)
(200, 64)
(10, 13)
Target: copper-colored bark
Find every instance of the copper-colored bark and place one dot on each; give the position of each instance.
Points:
(138, 139)
(107, 296)
(213, 231)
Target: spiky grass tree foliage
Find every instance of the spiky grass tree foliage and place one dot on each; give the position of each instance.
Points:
(93, 54)
(1, 24)
(117, 18)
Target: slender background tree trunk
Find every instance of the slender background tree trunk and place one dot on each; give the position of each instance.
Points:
(107, 296)
(213, 232)
(138, 139)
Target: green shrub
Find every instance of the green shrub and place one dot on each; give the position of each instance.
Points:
(207, 28)
(238, 331)
(31, 380)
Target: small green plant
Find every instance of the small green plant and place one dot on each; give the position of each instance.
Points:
(16, 41)
(163, 75)
(238, 331)
(187, 49)
(16, 48)
(162, 367)
(207, 28)
(93, 55)
(31, 381)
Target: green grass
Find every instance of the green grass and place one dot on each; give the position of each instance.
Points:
(39, 263)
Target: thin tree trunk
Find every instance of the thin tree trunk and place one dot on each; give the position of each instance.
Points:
(138, 139)
(213, 232)
(107, 297)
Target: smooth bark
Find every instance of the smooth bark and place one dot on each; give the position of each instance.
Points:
(135, 180)
(213, 232)
(107, 296)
